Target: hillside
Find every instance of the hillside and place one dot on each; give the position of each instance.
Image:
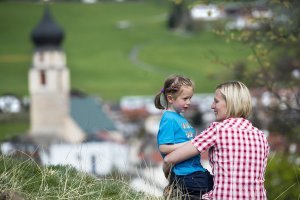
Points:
(114, 49)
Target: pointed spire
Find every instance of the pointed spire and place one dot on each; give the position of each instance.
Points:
(47, 33)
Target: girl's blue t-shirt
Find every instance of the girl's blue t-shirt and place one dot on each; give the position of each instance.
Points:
(173, 129)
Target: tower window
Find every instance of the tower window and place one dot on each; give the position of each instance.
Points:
(43, 77)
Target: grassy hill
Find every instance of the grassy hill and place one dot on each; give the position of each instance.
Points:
(27, 179)
(114, 49)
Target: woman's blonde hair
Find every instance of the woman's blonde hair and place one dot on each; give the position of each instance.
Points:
(237, 98)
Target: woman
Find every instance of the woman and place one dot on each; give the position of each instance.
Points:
(238, 151)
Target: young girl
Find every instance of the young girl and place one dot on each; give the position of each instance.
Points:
(188, 177)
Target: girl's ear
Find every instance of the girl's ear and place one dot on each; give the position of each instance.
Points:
(170, 98)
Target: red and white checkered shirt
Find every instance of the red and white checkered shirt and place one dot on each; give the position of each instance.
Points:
(238, 154)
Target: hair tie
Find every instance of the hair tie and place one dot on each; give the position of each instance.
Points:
(162, 90)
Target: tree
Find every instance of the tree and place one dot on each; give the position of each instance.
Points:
(275, 47)
(179, 17)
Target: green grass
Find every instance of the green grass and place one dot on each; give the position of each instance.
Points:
(31, 181)
(12, 125)
(12, 129)
(99, 53)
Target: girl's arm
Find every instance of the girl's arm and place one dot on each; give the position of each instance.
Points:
(182, 153)
(168, 148)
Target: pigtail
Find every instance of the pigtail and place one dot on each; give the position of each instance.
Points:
(157, 101)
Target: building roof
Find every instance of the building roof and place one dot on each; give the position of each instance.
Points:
(47, 33)
(87, 112)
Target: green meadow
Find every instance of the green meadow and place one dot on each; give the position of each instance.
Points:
(114, 49)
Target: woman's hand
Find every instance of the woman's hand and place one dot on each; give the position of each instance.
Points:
(180, 154)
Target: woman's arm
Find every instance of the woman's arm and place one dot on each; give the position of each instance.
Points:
(168, 148)
(182, 153)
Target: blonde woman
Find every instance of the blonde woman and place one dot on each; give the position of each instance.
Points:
(238, 151)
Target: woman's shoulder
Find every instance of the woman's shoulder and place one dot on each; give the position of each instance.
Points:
(231, 123)
(238, 124)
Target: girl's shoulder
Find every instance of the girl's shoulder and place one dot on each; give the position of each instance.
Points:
(170, 115)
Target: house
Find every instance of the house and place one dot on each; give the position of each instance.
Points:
(10, 103)
(207, 12)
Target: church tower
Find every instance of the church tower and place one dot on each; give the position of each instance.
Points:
(49, 83)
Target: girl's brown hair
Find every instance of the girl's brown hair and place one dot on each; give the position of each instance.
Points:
(172, 86)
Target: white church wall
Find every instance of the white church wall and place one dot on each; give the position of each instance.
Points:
(96, 157)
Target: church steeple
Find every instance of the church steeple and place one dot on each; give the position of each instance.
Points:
(49, 83)
(47, 33)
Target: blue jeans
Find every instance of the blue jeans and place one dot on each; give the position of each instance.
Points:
(197, 183)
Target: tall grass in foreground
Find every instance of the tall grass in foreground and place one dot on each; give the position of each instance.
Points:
(31, 181)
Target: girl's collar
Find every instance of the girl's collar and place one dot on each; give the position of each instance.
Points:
(173, 111)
